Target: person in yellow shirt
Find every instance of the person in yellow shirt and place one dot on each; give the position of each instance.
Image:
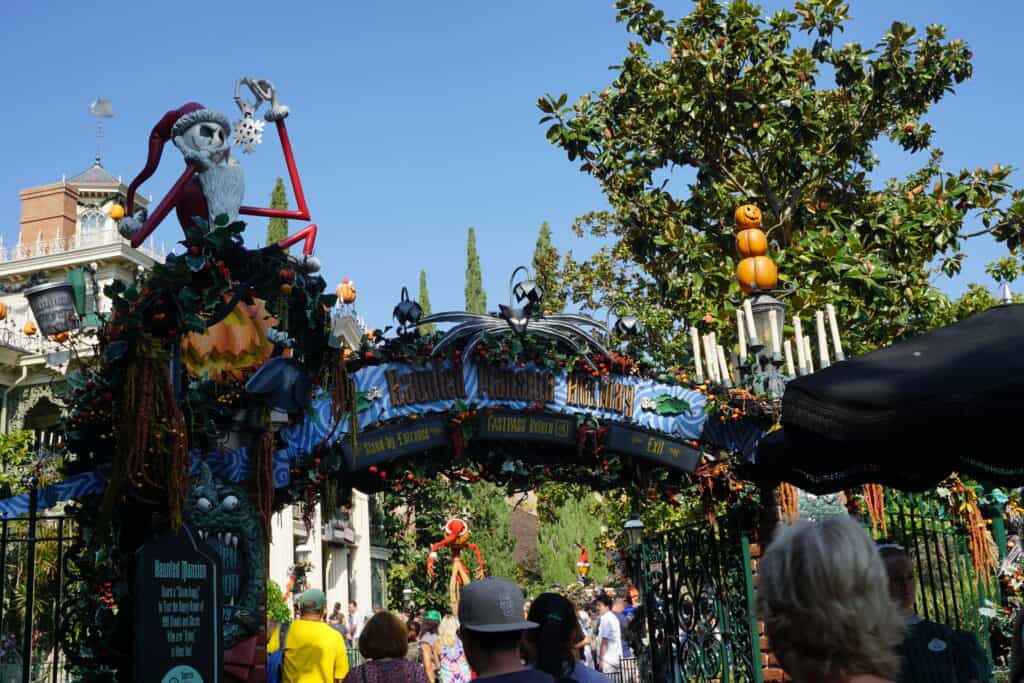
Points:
(313, 651)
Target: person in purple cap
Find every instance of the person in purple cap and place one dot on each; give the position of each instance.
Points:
(491, 626)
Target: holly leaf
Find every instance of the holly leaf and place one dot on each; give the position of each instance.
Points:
(195, 263)
(221, 220)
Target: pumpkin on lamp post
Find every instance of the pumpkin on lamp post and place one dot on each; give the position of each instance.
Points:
(756, 272)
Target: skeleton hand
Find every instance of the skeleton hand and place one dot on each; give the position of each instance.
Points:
(430, 565)
(479, 573)
(265, 90)
(198, 158)
(309, 264)
(129, 225)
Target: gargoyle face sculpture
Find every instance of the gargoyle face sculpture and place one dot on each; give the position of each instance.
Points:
(222, 516)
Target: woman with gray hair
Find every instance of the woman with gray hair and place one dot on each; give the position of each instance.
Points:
(822, 597)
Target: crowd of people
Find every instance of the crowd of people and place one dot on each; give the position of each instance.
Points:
(497, 637)
(837, 607)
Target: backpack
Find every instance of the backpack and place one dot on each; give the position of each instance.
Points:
(275, 660)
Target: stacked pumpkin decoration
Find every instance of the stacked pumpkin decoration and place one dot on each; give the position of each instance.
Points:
(756, 271)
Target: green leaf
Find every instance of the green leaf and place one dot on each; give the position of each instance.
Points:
(221, 220)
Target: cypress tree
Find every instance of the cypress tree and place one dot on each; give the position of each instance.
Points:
(277, 228)
(545, 268)
(476, 297)
(424, 301)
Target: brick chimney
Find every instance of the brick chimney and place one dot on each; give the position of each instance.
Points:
(48, 212)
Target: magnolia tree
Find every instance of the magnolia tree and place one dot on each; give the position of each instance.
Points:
(726, 106)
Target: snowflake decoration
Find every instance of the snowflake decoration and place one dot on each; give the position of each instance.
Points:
(248, 133)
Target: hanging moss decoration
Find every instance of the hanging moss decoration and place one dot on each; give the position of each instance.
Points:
(263, 469)
(789, 502)
(874, 497)
(152, 447)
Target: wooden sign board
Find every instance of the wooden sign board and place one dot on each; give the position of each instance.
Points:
(652, 446)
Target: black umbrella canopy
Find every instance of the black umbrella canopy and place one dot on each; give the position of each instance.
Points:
(909, 414)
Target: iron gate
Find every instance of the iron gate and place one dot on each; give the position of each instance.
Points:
(949, 589)
(32, 581)
(698, 602)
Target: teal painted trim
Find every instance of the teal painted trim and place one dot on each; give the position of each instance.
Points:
(76, 278)
(755, 639)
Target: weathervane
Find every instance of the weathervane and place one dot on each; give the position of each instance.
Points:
(101, 109)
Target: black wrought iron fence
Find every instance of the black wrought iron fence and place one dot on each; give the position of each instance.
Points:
(949, 589)
(32, 583)
(698, 606)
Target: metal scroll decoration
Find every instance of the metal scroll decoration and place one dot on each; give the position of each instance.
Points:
(523, 315)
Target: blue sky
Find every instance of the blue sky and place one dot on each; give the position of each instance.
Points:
(410, 121)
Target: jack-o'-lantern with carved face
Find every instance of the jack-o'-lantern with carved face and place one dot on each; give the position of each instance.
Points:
(235, 344)
(748, 217)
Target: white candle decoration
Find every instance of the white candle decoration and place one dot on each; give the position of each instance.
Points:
(713, 355)
(824, 360)
(724, 366)
(837, 344)
(695, 342)
(709, 359)
(743, 336)
(788, 348)
(798, 329)
(807, 355)
(751, 329)
(773, 323)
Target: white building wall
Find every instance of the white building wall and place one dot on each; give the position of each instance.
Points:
(361, 579)
(336, 575)
(282, 546)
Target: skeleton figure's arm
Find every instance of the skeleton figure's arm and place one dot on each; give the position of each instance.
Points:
(136, 230)
(432, 558)
(479, 559)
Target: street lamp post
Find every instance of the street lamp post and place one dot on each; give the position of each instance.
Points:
(764, 371)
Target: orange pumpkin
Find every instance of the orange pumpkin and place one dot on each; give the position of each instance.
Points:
(60, 337)
(757, 272)
(3, 311)
(751, 242)
(30, 328)
(346, 291)
(748, 216)
(236, 343)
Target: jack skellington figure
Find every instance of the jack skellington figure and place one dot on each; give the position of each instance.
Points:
(213, 183)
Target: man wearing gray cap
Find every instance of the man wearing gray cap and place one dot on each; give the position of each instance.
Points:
(491, 625)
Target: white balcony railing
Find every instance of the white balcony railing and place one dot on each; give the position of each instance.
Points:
(12, 334)
(80, 240)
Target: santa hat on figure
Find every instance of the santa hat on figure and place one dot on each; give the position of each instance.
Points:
(199, 144)
(213, 183)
